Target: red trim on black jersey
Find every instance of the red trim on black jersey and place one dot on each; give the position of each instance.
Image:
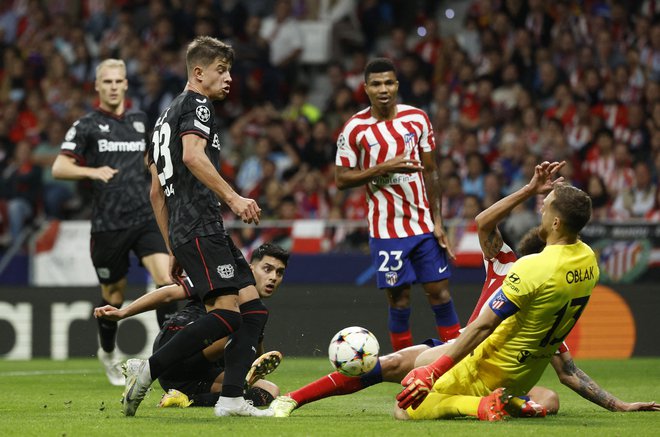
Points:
(79, 159)
(194, 132)
(110, 114)
(206, 269)
(223, 321)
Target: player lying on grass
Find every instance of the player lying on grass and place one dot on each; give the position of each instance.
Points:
(498, 258)
(198, 379)
(520, 330)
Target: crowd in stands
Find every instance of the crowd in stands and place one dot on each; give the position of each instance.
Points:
(522, 81)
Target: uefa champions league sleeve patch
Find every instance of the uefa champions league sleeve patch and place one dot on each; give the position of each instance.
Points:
(203, 113)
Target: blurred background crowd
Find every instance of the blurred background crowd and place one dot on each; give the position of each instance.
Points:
(513, 83)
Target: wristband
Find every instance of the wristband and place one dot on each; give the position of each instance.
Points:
(441, 365)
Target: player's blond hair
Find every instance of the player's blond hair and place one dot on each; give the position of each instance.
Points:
(110, 63)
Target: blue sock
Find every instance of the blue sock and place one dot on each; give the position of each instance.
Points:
(375, 376)
(445, 314)
(399, 320)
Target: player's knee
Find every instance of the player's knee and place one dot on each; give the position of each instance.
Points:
(227, 318)
(393, 367)
(551, 402)
(254, 312)
(400, 414)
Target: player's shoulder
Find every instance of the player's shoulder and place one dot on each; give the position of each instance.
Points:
(534, 264)
(360, 120)
(404, 110)
(134, 114)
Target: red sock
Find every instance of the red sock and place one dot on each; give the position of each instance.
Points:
(333, 384)
(401, 340)
(448, 332)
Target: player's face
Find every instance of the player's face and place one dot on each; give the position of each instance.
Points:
(216, 79)
(548, 216)
(111, 84)
(382, 89)
(268, 273)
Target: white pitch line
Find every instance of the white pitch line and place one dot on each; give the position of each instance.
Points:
(49, 372)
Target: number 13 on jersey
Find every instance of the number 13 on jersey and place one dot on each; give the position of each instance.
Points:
(161, 143)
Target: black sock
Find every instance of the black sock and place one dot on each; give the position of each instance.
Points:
(258, 396)
(204, 399)
(107, 330)
(201, 333)
(165, 312)
(241, 350)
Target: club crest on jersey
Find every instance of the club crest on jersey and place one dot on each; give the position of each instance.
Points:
(104, 127)
(103, 272)
(226, 271)
(391, 278)
(409, 140)
(138, 126)
(203, 113)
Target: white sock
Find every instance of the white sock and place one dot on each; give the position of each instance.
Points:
(230, 402)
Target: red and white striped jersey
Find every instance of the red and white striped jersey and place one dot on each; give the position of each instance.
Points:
(496, 270)
(398, 205)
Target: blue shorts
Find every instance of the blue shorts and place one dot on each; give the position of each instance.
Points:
(403, 261)
(433, 342)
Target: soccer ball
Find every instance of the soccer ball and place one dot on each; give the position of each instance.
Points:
(353, 351)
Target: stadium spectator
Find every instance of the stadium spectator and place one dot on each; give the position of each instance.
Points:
(21, 179)
(56, 193)
(282, 31)
(640, 198)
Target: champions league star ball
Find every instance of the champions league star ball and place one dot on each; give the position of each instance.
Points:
(353, 351)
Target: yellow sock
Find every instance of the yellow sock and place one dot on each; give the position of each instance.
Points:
(443, 406)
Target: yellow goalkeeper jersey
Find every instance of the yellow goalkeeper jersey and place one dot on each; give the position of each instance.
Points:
(550, 290)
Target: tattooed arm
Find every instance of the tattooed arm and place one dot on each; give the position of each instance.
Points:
(574, 378)
(490, 238)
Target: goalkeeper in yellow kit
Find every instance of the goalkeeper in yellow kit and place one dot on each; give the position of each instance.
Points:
(502, 354)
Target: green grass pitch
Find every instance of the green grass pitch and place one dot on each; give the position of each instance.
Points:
(73, 398)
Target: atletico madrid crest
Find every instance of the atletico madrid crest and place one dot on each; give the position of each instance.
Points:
(391, 278)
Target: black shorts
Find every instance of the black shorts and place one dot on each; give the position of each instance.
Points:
(110, 249)
(199, 384)
(214, 267)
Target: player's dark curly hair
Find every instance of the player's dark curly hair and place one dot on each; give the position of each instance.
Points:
(270, 249)
(530, 243)
(573, 206)
(378, 65)
(203, 50)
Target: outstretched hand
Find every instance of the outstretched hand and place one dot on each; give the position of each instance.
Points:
(642, 406)
(417, 385)
(542, 182)
(247, 209)
(108, 312)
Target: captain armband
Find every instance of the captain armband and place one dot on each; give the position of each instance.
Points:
(502, 306)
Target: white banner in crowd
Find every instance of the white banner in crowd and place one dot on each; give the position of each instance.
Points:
(67, 261)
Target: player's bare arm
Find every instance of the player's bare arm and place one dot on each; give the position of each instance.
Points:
(157, 199)
(542, 182)
(65, 167)
(201, 167)
(147, 302)
(432, 184)
(574, 378)
(346, 177)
